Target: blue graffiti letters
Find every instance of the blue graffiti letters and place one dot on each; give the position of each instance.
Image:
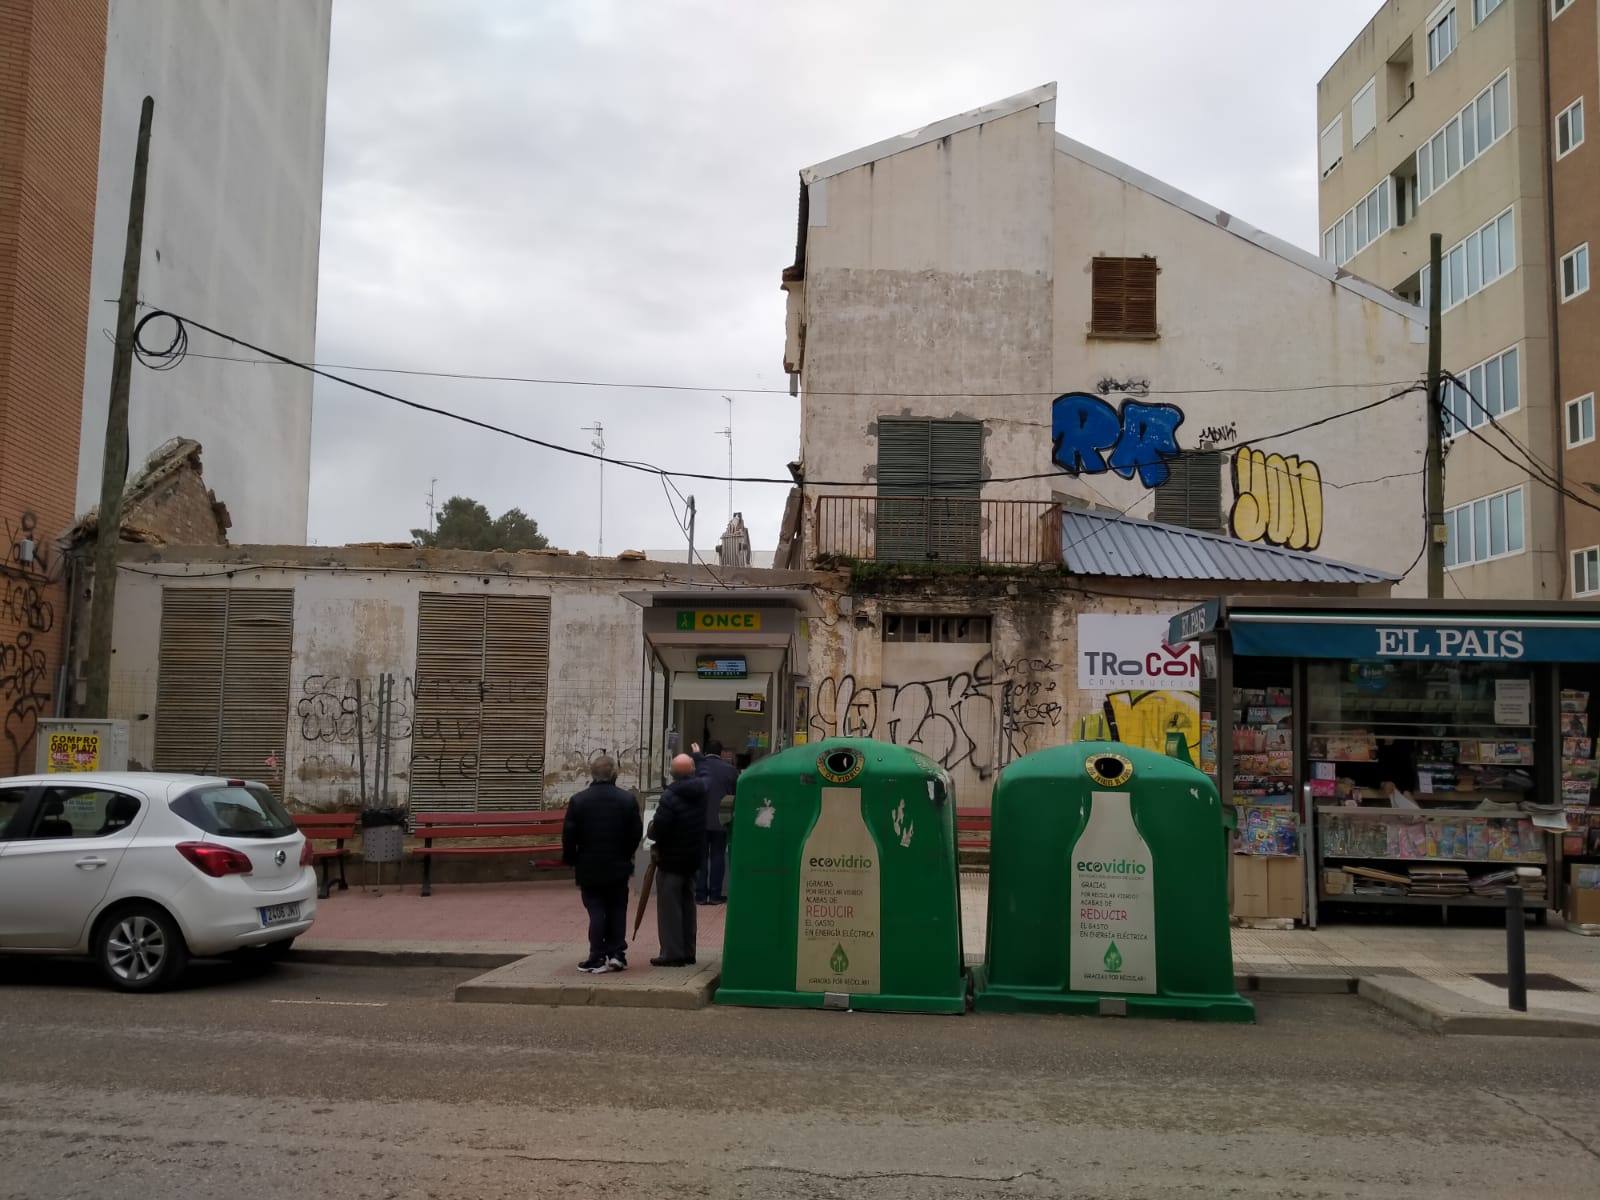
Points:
(1140, 437)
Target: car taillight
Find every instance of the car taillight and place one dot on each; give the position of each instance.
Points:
(215, 861)
(305, 853)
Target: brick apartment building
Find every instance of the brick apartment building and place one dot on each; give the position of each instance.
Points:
(52, 55)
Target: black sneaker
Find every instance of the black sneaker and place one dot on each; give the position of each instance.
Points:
(592, 966)
(617, 962)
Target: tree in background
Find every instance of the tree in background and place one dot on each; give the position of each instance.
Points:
(465, 524)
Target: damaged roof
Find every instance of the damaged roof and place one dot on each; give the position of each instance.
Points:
(1102, 544)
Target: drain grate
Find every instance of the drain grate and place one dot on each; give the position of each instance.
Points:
(1537, 982)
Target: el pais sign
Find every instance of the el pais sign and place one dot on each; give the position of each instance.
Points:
(1377, 638)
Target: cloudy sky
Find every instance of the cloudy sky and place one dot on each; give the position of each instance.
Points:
(604, 191)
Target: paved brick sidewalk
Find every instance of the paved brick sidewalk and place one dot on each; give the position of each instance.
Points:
(514, 916)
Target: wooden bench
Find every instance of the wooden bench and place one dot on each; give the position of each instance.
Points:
(337, 828)
(972, 828)
(511, 832)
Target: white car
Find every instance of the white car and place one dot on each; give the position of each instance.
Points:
(143, 870)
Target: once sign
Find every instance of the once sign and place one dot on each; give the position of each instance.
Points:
(719, 622)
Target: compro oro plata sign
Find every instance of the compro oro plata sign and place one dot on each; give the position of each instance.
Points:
(74, 752)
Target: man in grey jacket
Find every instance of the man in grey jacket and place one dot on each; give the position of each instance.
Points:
(721, 779)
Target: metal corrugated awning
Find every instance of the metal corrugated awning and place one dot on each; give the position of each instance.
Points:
(1106, 544)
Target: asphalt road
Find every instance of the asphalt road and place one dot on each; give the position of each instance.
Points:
(304, 1081)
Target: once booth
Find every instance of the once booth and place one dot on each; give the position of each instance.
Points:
(1108, 889)
(843, 889)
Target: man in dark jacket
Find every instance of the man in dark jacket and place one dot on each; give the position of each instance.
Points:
(721, 780)
(599, 838)
(679, 833)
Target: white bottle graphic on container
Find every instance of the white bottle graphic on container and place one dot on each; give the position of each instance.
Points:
(1113, 919)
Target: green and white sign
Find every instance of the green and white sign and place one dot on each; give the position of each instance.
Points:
(1113, 902)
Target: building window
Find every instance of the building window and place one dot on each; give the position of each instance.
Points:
(1370, 219)
(1557, 7)
(1569, 129)
(1123, 301)
(1580, 421)
(1575, 273)
(1473, 264)
(1586, 571)
(1332, 145)
(916, 627)
(1464, 137)
(1485, 529)
(1192, 494)
(1481, 9)
(929, 484)
(1492, 389)
(1441, 36)
(1364, 112)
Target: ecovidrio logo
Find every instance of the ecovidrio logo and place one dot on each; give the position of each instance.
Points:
(1119, 866)
(850, 862)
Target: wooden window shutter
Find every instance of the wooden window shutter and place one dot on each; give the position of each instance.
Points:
(478, 731)
(929, 481)
(222, 697)
(1192, 494)
(1123, 297)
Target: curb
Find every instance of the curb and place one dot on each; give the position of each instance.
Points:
(695, 992)
(1300, 983)
(1434, 1009)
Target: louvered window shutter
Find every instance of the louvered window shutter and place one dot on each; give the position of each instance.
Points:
(1123, 297)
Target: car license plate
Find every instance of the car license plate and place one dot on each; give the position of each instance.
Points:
(278, 914)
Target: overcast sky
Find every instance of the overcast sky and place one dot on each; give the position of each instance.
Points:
(605, 190)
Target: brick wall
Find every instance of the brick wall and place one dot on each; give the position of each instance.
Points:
(52, 55)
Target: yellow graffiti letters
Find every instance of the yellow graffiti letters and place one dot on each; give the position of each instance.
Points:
(1276, 499)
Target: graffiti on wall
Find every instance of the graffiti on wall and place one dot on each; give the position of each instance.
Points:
(1143, 719)
(27, 617)
(1090, 437)
(1276, 499)
(982, 718)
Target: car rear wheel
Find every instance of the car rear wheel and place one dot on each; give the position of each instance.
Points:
(141, 949)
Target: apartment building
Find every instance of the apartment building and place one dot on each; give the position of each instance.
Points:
(1466, 118)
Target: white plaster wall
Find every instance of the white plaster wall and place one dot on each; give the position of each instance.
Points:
(928, 278)
(232, 232)
(952, 280)
(1251, 345)
(356, 625)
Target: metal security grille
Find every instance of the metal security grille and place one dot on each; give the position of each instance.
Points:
(1192, 493)
(929, 481)
(222, 697)
(1123, 297)
(478, 733)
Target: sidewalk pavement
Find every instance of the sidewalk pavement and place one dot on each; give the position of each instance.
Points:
(529, 937)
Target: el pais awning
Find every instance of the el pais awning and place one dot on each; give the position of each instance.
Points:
(1443, 631)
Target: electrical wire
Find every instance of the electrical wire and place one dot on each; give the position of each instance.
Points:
(1535, 469)
(652, 469)
(468, 376)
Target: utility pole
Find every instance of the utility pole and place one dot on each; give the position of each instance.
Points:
(598, 445)
(114, 467)
(1435, 468)
(728, 433)
(690, 576)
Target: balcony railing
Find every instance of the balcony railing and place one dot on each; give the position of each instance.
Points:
(938, 529)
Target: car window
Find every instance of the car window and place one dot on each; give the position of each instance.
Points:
(11, 799)
(83, 812)
(235, 811)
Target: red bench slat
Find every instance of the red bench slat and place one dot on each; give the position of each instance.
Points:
(433, 826)
(328, 827)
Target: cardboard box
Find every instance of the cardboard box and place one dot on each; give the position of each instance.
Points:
(1268, 886)
(1335, 882)
(1583, 903)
